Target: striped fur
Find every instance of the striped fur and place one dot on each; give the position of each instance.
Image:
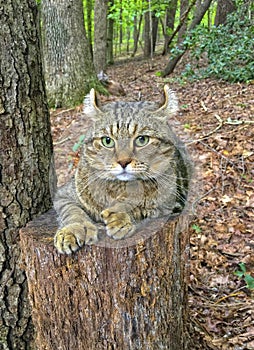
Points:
(132, 167)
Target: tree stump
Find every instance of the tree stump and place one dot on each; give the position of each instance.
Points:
(129, 294)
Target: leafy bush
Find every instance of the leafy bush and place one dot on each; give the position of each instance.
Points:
(229, 50)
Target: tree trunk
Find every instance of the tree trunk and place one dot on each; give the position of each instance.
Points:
(128, 36)
(169, 24)
(147, 35)
(155, 23)
(136, 32)
(69, 72)
(110, 39)
(129, 294)
(224, 7)
(121, 26)
(181, 22)
(100, 35)
(199, 14)
(184, 5)
(150, 33)
(89, 9)
(26, 151)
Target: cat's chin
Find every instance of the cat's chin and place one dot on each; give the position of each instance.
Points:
(125, 177)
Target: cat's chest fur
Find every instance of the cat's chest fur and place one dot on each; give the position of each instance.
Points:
(143, 198)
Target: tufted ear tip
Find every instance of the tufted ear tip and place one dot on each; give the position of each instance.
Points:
(170, 105)
(90, 104)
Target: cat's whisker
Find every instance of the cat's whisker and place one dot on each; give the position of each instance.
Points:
(173, 177)
(164, 179)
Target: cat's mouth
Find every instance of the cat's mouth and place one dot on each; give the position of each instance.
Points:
(125, 176)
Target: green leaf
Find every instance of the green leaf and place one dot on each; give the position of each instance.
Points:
(196, 228)
(158, 74)
(239, 273)
(249, 281)
(242, 267)
(78, 144)
(81, 138)
(75, 147)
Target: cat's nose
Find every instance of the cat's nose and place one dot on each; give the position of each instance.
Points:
(124, 162)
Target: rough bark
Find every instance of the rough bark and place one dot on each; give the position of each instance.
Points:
(100, 35)
(169, 24)
(199, 14)
(129, 294)
(69, 71)
(184, 5)
(26, 151)
(155, 24)
(147, 35)
(110, 39)
(150, 33)
(224, 8)
(89, 9)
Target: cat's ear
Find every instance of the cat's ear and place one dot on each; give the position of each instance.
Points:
(91, 105)
(170, 105)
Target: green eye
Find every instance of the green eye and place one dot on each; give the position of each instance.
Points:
(141, 141)
(107, 142)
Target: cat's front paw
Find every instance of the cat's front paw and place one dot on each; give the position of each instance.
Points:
(70, 238)
(118, 225)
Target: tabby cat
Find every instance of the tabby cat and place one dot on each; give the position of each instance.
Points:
(132, 167)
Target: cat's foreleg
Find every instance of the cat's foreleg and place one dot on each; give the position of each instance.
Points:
(118, 221)
(76, 228)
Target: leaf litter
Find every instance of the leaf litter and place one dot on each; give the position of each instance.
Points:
(216, 120)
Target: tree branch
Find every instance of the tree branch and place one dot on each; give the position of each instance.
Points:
(200, 12)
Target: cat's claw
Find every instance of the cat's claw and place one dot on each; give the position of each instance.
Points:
(118, 225)
(70, 238)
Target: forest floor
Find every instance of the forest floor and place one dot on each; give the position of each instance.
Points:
(216, 122)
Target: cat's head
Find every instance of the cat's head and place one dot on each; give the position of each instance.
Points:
(130, 140)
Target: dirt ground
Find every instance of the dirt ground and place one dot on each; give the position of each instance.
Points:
(216, 121)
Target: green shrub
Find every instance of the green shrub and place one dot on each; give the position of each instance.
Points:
(229, 49)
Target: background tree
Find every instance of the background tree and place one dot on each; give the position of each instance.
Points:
(69, 72)
(137, 21)
(169, 24)
(155, 24)
(224, 7)
(88, 8)
(147, 34)
(150, 30)
(26, 151)
(110, 38)
(169, 39)
(100, 35)
(184, 4)
(183, 46)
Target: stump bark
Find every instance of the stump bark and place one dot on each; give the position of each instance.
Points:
(129, 294)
